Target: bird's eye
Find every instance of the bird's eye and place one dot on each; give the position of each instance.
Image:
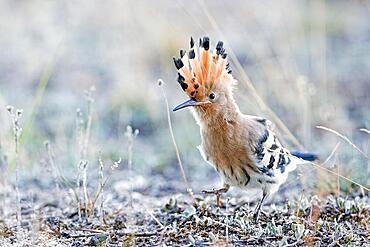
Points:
(212, 96)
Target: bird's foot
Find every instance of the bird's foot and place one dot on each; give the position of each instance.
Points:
(217, 193)
(257, 213)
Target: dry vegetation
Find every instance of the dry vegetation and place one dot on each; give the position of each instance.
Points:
(92, 159)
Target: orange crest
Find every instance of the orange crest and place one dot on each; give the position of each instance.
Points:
(199, 69)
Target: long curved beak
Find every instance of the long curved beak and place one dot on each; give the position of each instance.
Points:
(187, 103)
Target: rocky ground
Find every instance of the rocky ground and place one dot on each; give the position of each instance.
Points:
(50, 217)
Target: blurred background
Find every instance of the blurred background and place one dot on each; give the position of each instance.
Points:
(309, 61)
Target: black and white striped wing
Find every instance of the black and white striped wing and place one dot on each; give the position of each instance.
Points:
(271, 157)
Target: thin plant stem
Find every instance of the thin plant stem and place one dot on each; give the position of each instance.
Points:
(84, 185)
(338, 181)
(83, 138)
(15, 116)
(153, 217)
(90, 101)
(333, 152)
(59, 178)
(51, 162)
(365, 130)
(299, 204)
(101, 188)
(227, 220)
(189, 189)
(344, 138)
(103, 180)
(130, 134)
(339, 175)
(79, 138)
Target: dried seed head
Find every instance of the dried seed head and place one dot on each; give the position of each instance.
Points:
(83, 164)
(136, 132)
(19, 113)
(128, 130)
(10, 108)
(116, 164)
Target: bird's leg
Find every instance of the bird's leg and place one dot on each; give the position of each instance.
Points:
(257, 211)
(218, 193)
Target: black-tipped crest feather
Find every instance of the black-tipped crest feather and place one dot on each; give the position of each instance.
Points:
(206, 43)
(219, 47)
(191, 54)
(191, 42)
(182, 53)
(178, 63)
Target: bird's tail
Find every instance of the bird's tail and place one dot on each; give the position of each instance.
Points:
(305, 156)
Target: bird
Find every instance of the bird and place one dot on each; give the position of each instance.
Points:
(243, 149)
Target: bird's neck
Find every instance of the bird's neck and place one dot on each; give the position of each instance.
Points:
(218, 116)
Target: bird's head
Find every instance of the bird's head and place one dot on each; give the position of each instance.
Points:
(205, 77)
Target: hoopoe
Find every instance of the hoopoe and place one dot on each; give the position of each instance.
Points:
(243, 149)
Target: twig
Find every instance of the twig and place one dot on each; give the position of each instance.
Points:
(79, 140)
(344, 138)
(51, 162)
(90, 101)
(15, 116)
(365, 130)
(91, 230)
(153, 217)
(299, 204)
(332, 172)
(58, 174)
(226, 225)
(338, 182)
(189, 190)
(84, 164)
(227, 220)
(144, 234)
(83, 138)
(331, 154)
(101, 188)
(293, 244)
(130, 134)
(102, 185)
(337, 174)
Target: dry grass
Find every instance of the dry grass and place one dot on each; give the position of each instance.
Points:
(178, 222)
(181, 166)
(346, 139)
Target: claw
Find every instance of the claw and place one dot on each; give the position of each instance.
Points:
(217, 193)
(212, 191)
